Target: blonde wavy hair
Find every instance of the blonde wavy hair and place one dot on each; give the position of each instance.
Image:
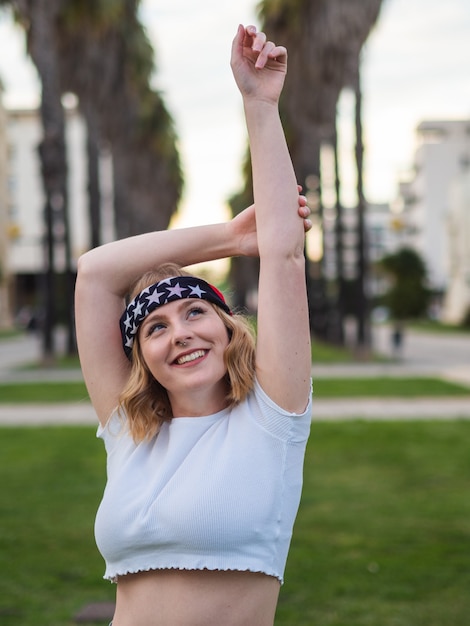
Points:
(144, 401)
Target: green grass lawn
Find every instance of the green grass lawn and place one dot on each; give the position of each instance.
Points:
(52, 480)
(324, 388)
(386, 387)
(323, 352)
(438, 327)
(43, 392)
(382, 537)
(9, 334)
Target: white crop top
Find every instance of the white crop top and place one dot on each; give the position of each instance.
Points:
(218, 492)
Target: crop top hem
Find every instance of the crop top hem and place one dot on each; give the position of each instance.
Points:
(139, 570)
(148, 561)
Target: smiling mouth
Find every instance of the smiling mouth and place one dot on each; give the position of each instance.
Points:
(193, 356)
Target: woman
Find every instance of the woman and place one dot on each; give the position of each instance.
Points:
(205, 434)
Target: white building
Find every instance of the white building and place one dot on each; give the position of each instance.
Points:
(424, 201)
(457, 300)
(25, 214)
(382, 231)
(4, 301)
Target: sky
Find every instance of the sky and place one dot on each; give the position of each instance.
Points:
(415, 67)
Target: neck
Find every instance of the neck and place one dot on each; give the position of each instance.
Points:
(200, 402)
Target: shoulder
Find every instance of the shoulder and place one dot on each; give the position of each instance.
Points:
(115, 430)
(280, 423)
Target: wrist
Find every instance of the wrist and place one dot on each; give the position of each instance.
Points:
(260, 114)
(233, 240)
(255, 103)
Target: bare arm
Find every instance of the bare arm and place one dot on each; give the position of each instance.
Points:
(283, 348)
(105, 275)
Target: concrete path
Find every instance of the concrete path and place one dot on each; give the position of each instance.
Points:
(323, 410)
(67, 414)
(424, 349)
(441, 356)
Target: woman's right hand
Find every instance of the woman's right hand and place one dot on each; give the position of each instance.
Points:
(243, 227)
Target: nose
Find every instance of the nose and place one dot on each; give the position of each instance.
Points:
(182, 342)
(181, 335)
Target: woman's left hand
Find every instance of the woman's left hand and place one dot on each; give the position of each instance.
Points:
(258, 65)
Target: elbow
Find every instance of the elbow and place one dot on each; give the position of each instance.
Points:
(90, 267)
(298, 251)
(289, 262)
(84, 272)
(294, 256)
(286, 244)
(84, 265)
(298, 260)
(295, 259)
(294, 251)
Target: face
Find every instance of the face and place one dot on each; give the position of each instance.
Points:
(183, 345)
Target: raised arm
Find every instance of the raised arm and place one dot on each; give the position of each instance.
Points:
(105, 275)
(283, 346)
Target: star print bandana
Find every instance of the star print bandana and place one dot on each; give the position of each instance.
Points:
(158, 294)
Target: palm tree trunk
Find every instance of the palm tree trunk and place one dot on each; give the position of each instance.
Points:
(40, 15)
(338, 330)
(107, 60)
(324, 39)
(94, 191)
(363, 330)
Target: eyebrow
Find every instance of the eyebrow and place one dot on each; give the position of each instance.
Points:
(159, 316)
(154, 316)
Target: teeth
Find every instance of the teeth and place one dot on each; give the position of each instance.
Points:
(190, 357)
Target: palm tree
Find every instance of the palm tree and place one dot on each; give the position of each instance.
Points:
(100, 51)
(324, 39)
(5, 318)
(38, 18)
(107, 60)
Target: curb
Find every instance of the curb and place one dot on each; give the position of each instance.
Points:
(65, 414)
(373, 409)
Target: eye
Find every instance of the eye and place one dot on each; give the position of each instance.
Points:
(195, 311)
(154, 328)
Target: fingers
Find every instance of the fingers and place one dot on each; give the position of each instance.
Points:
(266, 50)
(238, 41)
(304, 211)
(258, 38)
(271, 52)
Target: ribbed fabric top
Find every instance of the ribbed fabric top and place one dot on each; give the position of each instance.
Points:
(219, 492)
